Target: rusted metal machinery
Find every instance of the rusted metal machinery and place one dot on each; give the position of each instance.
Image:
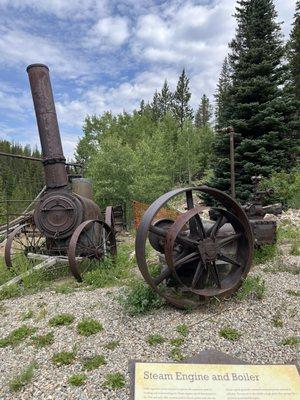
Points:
(66, 222)
(201, 258)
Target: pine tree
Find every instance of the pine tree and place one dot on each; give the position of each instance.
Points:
(257, 108)
(204, 112)
(222, 97)
(155, 106)
(165, 99)
(182, 111)
(293, 53)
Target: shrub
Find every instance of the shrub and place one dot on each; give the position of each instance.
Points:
(114, 380)
(252, 286)
(88, 327)
(286, 188)
(229, 333)
(140, 299)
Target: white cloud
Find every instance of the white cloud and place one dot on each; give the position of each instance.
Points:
(18, 47)
(64, 9)
(107, 32)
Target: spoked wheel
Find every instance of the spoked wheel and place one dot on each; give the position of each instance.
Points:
(202, 258)
(91, 242)
(25, 241)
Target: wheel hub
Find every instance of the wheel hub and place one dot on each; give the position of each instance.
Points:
(208, 249)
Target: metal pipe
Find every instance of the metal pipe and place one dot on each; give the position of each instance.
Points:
(2, 153)
(53, 157)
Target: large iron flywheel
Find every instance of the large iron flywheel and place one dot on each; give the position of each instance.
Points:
(199, 258)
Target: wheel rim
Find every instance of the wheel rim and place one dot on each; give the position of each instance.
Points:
(198, 236)
(91, 242)
(23, 240)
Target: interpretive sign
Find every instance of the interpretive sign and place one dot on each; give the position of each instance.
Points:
(154, 381)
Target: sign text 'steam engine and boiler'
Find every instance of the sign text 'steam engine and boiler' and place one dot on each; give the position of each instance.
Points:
(179, 376)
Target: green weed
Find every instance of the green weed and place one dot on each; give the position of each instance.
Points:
(264, 253)
(64, 358)
(293, 292)
(17, 336)
(88, 327)
(252, 286)
(112, 345)
(140, 299)
(176, 354)
(155, 339)
(43, 340)
(27, 315)
(114, 380)
(229, 333)
(77, 379)
(177, 342)
(94, 362)
(61, 319)
(291, 341)
(19, 381)
(277, 320)
(183, 330)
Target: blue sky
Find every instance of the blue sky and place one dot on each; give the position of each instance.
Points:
(108, 55)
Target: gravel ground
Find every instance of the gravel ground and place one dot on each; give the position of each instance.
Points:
(260, 341)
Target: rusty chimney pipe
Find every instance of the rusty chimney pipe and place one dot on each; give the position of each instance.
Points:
(53, 157)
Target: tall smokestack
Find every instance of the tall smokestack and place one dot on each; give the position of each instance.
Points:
(53, 157)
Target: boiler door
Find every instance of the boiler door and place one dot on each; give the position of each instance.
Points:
(58, 215)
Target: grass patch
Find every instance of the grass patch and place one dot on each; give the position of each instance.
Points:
(295, 293)
(112, 345)
(17, 336)
(183, 329)
(27, 315)
(176, 354)
(112, 272)
(19, 381)
(264, 253)
(61, 319)
(114, 380)
(177, 342)
(43, 340)
(155, 339)
(229, 333)
(77, 379)
(94, 362)
(65, 288)
(64, 357)
(11, 291)
(277, 320)
(88, 327)
(291, 341)
(140, 299)
(252, 286)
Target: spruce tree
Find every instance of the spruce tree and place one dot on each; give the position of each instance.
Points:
(222, 96)
(165, 99)
(204, 112)
(256, 108)
(293, 54)
(182, 111)
(155, 106)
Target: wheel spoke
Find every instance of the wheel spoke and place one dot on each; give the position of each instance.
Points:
(229, 239)
(212, 231)
(190, 257)
(229, 260)
(216, 275)
(179, 239)
(198, 273)
(195, 223)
